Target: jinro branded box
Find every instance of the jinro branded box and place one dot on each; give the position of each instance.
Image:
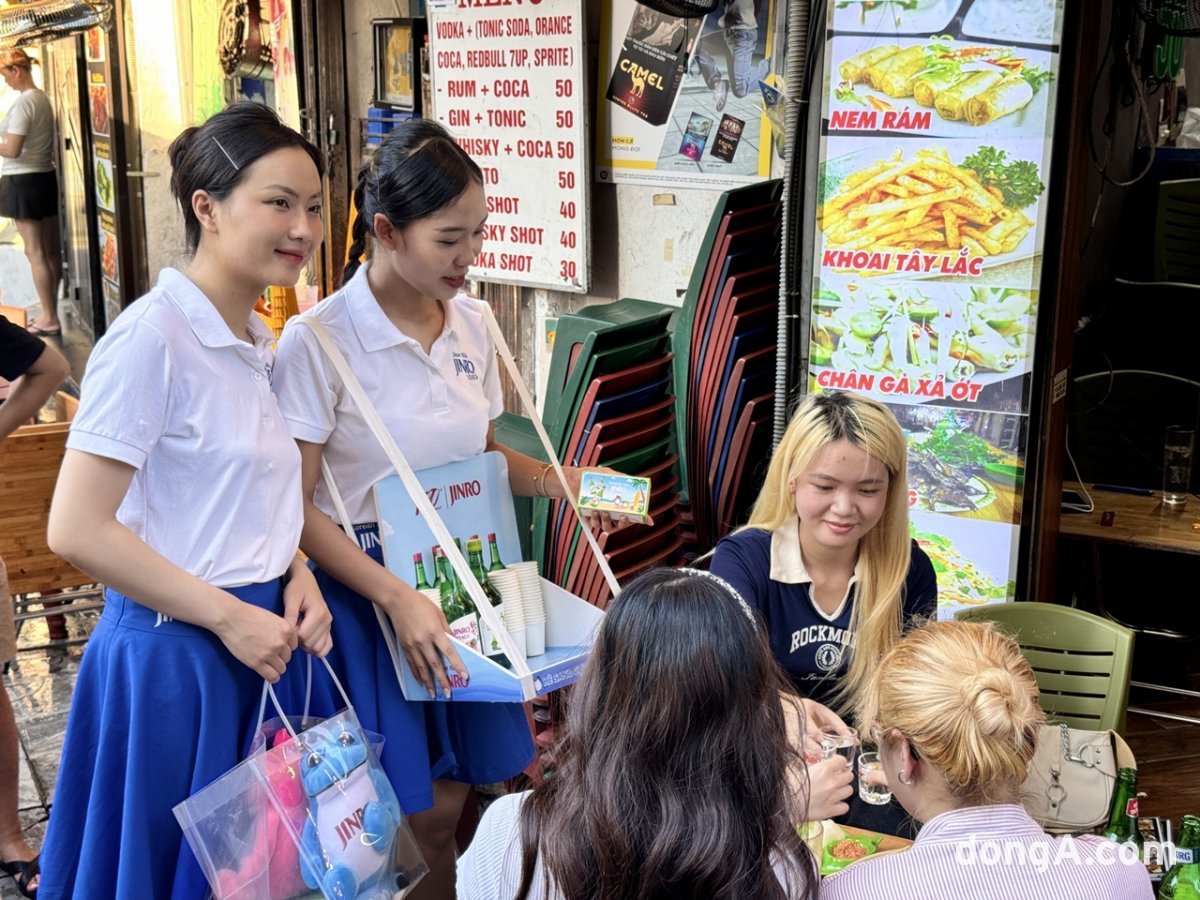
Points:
(474, 497)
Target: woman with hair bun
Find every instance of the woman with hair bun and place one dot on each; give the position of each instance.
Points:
(420, 348)
(180, 491)
(674, 776)
(954, 709)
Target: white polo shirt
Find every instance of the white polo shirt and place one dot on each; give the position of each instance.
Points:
(438, 406)
(170, 391)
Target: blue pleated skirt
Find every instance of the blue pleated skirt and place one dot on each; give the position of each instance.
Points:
(161, 709)
(475, 743)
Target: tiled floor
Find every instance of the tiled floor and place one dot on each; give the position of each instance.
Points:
(40, 684)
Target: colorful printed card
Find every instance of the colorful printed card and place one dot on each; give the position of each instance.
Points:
(621, 495)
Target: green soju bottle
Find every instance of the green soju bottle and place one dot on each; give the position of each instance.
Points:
(1122, 824)
(494, 553)
(1182, 881)
(491, 644)
(422, 583)
(456, 604)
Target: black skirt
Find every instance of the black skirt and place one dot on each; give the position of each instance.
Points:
(33, 195)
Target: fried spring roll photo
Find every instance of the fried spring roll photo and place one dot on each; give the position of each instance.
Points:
(950, 103)
(927, 88)
(852, 69)
(874, 75)
(1006, 96)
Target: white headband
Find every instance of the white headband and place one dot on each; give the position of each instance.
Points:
(728, 587)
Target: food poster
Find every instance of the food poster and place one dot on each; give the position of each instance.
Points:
(100, 113)
(935, 149)
(681, 101)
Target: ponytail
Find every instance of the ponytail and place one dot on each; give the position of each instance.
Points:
(358, 234)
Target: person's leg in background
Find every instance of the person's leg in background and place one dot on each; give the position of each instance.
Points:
(13, 848)
(40, 237)
(706, 47)
(434, 830)
(741, 36)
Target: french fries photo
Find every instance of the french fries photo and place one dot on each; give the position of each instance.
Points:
(928, 203)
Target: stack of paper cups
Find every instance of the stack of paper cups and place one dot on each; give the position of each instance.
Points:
(509, 589)
(535, 606)
(433, 594)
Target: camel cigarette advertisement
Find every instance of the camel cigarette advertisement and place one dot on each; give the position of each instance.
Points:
(687, 102)
(932, 183)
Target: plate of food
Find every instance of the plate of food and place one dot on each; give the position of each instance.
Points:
(962, 575)
(920, 332)
(939, 86)
(893, 16)
(926, 213)
(1026, 21)
(834, 847)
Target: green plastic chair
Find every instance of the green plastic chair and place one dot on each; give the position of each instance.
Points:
(1082, 662)
(1177, 232)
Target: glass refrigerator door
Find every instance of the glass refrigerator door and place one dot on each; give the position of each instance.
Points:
(935, 147)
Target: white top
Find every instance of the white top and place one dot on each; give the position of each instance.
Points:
(994, 853)
(491, 867)
(170, 391)
(32, 116)
(438, 406)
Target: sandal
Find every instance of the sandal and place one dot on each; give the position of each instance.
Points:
(35, 328)
(22, 872)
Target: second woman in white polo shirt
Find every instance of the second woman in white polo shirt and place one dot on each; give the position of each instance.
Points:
(422, 352)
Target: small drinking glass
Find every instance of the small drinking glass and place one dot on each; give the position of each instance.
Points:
(872, 786)
(839, 743)
(1178, 447)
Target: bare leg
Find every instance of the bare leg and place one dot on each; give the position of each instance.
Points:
(40, 237)
(434, 830)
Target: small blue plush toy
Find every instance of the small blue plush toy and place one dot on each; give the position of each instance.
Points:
(352, 816)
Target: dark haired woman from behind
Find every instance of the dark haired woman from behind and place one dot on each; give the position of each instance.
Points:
(180, 491)
(674, 776)
(422, 352)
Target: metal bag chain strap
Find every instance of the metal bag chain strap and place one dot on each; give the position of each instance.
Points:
(1056, 793)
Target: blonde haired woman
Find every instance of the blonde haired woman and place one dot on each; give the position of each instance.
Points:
(826, 558)
(954, 707)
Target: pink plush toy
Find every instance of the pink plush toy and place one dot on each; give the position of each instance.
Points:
(270, 870)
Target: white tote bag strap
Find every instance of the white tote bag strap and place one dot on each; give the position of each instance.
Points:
(418, 496)
(531, 410)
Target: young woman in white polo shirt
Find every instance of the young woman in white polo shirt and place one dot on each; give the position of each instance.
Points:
(422, 352)
(180, 491)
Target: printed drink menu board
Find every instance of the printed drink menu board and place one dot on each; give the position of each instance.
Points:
(935, 148)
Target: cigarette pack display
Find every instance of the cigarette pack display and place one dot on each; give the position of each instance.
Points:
(621, 495)
(650, 66)
(729, 135)
(696, 136)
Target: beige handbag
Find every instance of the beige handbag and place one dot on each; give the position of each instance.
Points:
(1071, 778)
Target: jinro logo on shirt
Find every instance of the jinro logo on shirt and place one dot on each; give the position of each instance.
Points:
(464, 366)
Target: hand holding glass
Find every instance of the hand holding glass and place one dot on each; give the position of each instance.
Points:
(842, 743)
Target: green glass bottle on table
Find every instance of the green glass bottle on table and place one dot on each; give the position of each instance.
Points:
(491, 644)
(494, 551)
(422, 583)
(1122, 827)
(1182, 881)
